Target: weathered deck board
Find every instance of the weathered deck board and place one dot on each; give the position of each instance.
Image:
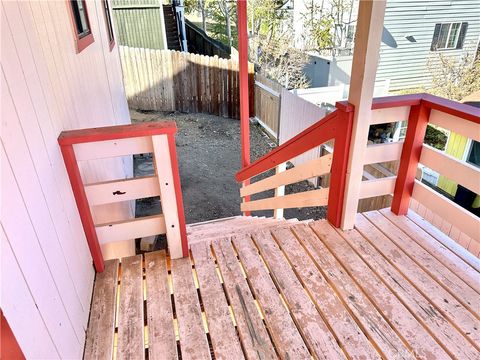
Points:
(225, 342)
(398, 316)
(285, 335)
(193, 340)
(296, 291)
(161, 335)
(461, 269)
(252, 332)
(309, 321)
(371, 321)
(420, 306)
(350, 336)
(101, 329)
(443, 300)
(130, 316)
(452, 283)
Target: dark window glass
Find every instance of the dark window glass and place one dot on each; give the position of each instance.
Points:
(474, 156)
(81, 17)
(108, 20)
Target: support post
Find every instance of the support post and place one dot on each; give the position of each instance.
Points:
(364, 68)
(411, 151)
(243, 75)
(82, 204)
(279, 191)
(339, 167)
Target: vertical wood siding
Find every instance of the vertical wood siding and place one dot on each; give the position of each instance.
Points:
(47, 272)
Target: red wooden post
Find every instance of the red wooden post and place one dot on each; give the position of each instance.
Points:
(9, 348)
(178, 193)
(83, 206)
(338, 171)
(243, 76)
(412, 148)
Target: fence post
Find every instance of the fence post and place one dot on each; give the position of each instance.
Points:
(338, 171)
(411, 151)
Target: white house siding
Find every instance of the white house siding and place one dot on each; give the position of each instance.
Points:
(406, 65)
(46, 87)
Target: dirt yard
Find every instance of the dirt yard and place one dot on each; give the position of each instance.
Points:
(208, 149)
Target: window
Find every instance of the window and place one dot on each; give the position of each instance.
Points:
(449, 36)
(108, 22)
(81, 24)
(474, 154)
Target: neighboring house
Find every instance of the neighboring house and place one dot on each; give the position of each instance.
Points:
(60, 70)
(415, 32)
(149, 24)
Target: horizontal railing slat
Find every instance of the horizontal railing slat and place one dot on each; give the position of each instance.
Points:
(464, 220)
(379, 153)
(456, 124)
(390, 115)
(461, 172)
(113, 148)
(304, 199)
(131, 229)
(123, 190)
(377, 187)
(312, 168)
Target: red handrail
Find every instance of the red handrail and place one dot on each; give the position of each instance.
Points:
(313, 136)
(338, 126)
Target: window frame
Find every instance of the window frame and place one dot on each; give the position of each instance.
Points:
(81, 42)
(435, 46)
(108, 23)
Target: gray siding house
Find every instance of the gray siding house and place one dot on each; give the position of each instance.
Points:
(415, 33)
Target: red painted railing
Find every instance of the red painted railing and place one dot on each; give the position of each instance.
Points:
(148, 133)
(336, 126)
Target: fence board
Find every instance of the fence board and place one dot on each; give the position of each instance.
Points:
(166, 80)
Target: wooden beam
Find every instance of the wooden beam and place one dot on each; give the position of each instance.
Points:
(116, 191)
(377, 187)
(456, 124)
(447, 209)
(380, 153)
(304, 199)
(312, 168)
(461, 172)
(113, 148)
(131, 229)
(171, 194)
(390, 115)
(364, 69)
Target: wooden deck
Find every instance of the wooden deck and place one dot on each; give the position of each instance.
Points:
(393, 288)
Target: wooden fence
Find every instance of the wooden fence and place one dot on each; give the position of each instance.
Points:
(267, 103)
(166, 80)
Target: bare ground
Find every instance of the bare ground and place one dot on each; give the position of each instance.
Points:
(208, 150)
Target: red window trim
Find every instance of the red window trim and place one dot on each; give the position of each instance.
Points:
(80, 42)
